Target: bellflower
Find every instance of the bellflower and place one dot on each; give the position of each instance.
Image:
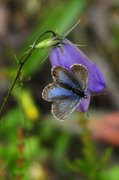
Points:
(66, 54)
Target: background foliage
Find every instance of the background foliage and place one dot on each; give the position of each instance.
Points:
(33, 145)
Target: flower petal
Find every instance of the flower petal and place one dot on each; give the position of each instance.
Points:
(98, 83)
(68, 54)
(83, 106)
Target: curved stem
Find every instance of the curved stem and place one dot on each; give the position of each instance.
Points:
(22, 61)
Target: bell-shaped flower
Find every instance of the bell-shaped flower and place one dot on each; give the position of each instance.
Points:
(66, 54)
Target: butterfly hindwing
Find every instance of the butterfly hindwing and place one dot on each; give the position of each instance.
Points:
(81, 74)
(61, 109)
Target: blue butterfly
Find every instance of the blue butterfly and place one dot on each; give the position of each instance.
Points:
(67, 89)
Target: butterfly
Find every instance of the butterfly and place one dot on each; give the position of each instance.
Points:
(67, 89)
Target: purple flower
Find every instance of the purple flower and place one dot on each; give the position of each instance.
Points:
(66, 54)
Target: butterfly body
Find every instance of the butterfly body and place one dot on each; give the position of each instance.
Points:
(67, 89)
(77, 92)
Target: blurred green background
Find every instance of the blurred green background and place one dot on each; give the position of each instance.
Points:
(34, 145)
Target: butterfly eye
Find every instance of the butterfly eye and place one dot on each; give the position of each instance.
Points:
(85, 96)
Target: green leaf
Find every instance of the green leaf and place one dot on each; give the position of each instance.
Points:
(67, 16)
(112, 174)
(61, 146)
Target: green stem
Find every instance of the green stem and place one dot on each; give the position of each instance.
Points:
(22, 61)
(86, 137)
(89, 148)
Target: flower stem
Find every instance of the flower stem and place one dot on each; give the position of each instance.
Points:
(86, 138)
(89, 149)
(22, 61)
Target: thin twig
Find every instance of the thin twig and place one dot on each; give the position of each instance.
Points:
(22, 61)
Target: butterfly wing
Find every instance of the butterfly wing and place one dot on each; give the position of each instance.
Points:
(62, 76)
(65, 100)
(54, 92)
(81, 75)
(63, 108)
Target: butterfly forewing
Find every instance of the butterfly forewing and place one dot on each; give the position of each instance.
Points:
(62, 76)
(54, 92)
(81, 74)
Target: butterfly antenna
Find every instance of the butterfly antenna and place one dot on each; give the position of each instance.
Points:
(99, 94)
(80, 45)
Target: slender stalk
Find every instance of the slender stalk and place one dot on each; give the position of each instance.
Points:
(71, 29)
(22, 61)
